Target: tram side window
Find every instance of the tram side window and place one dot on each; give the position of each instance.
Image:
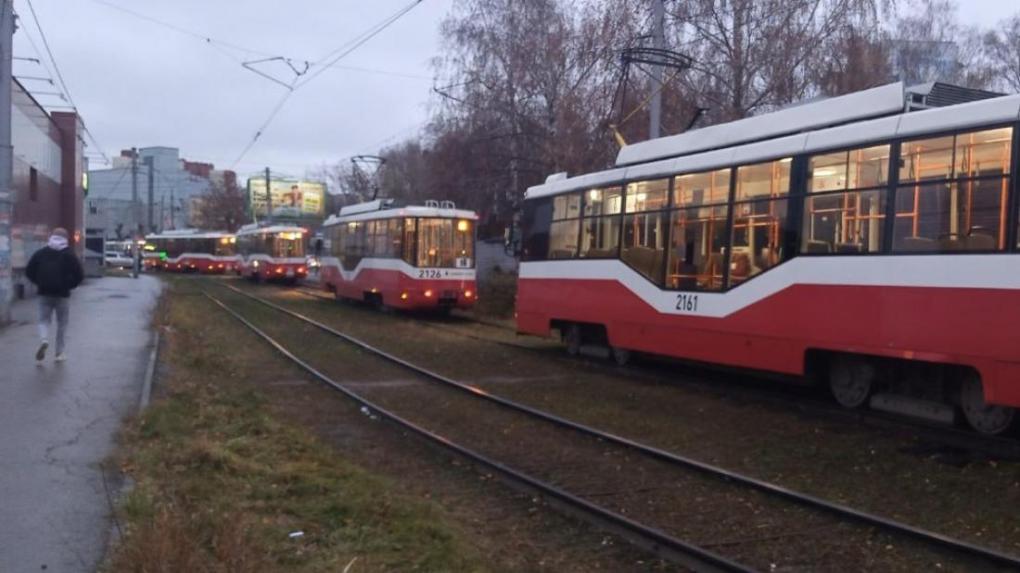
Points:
(394, 237)
(844, 211)
(644, 227)
(410, 247)
(535, 220)
(565, 226)
(953, 193)
(698, 231)
(354, 244)
(760, 221)
(600, 229)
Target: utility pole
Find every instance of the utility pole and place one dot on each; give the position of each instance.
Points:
(6, 159)
(269, 200)
(152, 199)
(135, 207)
(659, 43)
(162, 212)
(173, 209)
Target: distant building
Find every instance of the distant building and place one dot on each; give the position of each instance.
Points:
(112, 204)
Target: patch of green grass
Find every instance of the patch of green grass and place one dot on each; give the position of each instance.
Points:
(221, 482)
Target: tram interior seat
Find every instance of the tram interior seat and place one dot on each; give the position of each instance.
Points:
(600, 254)
(816, 247)
(980, 241)
(918, 244)
(645, 260)
(849, 247)
(561, 254)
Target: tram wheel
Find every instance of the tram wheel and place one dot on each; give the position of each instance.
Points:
(573, 339)
(985, 418)
(850, 380)
(621, 356)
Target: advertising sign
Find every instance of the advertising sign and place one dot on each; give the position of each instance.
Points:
(290, 198)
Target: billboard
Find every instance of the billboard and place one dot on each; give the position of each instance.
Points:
(290, 198)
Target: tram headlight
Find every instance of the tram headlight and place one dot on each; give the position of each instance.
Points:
(468, 294)
(428, 293)
(403, 296)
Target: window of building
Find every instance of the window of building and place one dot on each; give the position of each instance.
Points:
(565, 227)
(759, 219)
(600, 230)
(844, 211)
(953, 193)
(33, 184)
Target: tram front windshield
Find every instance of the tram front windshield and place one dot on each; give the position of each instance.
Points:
(288, 244)
(446, 243)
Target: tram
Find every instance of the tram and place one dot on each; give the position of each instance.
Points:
(405, 257)
(856, 240)
(190, 250)
(275, 252)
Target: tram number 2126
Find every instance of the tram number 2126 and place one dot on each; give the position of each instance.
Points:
(687, 302)
(430, 274)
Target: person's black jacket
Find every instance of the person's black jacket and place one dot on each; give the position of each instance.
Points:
(55, 272)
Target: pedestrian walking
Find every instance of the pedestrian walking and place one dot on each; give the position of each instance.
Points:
(55, 271)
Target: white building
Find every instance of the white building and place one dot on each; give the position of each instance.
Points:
(118, 197)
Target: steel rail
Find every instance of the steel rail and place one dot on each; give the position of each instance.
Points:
(928, 536)
(658, 541)
(997, 446)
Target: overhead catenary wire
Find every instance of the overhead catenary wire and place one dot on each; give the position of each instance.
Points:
(326, 62)
(63, 84)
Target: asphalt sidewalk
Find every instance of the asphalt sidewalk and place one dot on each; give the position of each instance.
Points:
(58, 422)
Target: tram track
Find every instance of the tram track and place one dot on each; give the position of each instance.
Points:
(839, 512)
(933, 435)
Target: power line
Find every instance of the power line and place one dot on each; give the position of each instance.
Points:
(336, 56)
(181, 30)
(60, 78)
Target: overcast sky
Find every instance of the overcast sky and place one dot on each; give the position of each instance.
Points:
(138, 83)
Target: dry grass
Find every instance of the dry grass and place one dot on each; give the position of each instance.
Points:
(221, 483)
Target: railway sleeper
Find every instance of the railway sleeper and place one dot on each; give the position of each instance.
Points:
(941, 393)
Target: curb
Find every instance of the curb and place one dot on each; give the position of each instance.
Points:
(150, 371)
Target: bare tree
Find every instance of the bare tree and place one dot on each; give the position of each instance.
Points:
(1002, 48)
(222, 207)
(928, 43)
(754, 55)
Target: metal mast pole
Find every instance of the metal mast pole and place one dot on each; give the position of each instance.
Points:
(269, 200)
(659, 42)
(152, 198)
(135, 207)
(6, 158)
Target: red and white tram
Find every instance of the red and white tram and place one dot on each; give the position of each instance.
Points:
(190, 250)
(413, 257)
(847, 239)
(275, 252)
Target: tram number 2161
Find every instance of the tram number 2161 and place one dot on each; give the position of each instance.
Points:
(687, 302)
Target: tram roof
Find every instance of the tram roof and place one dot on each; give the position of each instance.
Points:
(191, 234)
(406, 211)
(253, 229)
(678, 156)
